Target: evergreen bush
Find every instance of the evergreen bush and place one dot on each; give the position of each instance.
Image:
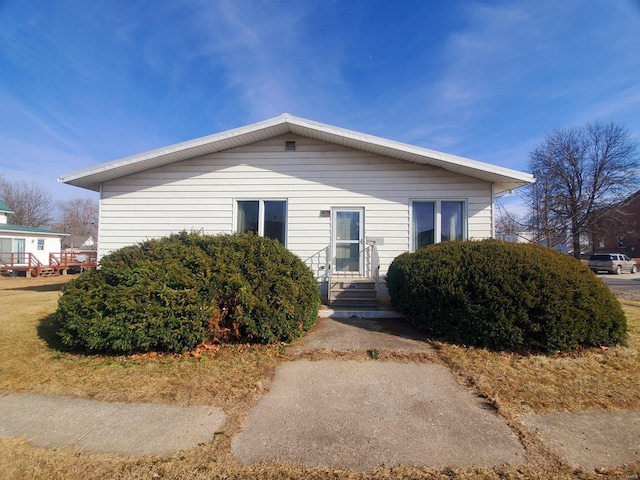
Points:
(173, 293)
(501, 295)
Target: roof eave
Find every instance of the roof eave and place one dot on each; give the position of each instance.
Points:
(91, 178)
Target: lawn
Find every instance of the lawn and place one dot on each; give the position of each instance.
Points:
(234, 378)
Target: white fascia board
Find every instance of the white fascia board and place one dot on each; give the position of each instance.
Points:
(416, 154)
(142, 159)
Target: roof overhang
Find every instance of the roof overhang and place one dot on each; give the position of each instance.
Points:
(91, 178)
(8, 228)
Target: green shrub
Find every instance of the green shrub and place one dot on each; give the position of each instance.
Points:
(503, 295)
(266, 292)
(173, 293)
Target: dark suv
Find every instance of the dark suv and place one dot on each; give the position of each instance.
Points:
(612, 263)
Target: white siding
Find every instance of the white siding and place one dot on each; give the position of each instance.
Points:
(199, 194)
(51, 244)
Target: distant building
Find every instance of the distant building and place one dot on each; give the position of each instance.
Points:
(26, 249)
(79, 243)
(520, 237)
(618, 228)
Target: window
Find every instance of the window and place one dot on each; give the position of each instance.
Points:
(436, 221)
(41, 244)
(266, 218)
(5, 250)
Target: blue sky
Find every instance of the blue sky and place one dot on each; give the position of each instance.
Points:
(84, 82)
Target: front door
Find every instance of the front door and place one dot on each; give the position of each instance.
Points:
(347, 240)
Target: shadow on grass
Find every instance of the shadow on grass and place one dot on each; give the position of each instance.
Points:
(48, 332)
(53, 287)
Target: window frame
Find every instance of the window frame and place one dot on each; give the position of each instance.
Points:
(261, 212)
(437, 202)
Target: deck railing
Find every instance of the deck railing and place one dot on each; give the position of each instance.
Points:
(59, 262)
(21, 261)
(66, 259)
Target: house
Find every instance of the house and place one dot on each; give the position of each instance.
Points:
(25, 249)
(79, 243)
(345, 202)
(618, 228)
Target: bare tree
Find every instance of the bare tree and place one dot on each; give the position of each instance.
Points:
(78, 217)
(31, 203)
(580, 172)
(507, 223)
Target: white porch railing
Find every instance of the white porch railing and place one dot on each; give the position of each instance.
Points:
(323, 268)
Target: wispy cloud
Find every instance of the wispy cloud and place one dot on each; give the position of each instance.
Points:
(269, 65)
(94, 81)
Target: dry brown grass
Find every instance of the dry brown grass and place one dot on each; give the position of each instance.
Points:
(594, 379)
(235, 377)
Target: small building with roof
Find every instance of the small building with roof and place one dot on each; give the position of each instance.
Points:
(28, 250)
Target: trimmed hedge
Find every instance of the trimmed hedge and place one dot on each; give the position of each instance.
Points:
(173, 293)
(505, 296)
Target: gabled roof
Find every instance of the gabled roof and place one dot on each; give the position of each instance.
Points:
(80, 241)
(4, 208)
(90, 178)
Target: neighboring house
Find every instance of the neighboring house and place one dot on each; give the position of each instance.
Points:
(25, 249)
(79, 243)
(618, 228)
(345, 202)
(520, 237)
(530, 237)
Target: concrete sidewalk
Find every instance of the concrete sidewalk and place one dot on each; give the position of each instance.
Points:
(335, 413)
(129, 428)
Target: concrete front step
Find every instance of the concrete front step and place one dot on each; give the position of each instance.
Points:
(353, 292)
(367, 313)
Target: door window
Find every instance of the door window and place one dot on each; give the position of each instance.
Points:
(347, 239)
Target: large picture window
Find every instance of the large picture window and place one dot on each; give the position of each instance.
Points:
(436, 221)
(266, 218)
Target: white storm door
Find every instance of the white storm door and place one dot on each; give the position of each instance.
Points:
(347, 239)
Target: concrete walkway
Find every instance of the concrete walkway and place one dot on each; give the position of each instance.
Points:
(129, 428)
(360, 415)
(335, 413)
(590, 440)
(363, 414)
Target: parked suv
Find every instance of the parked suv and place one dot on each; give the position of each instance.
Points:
(612, 263)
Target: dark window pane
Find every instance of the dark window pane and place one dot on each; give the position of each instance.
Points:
(248, 216)
(275, 220)
(451, 221)
(423, 224)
